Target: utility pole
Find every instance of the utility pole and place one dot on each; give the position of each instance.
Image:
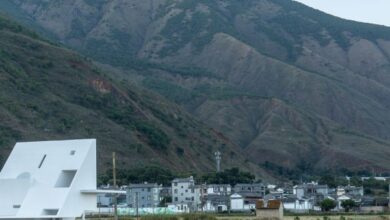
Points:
(136, 204)
(115, 186)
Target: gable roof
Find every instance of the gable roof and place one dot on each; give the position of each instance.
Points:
(270, 204)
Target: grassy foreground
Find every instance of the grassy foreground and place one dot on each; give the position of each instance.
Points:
(214, 217)
(340, 217)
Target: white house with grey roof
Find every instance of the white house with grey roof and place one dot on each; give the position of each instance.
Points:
(50, 179)
(309, 190)
(185, 195)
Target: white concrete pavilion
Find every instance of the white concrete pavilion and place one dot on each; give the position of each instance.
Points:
(48, 179)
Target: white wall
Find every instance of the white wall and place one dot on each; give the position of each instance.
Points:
(236, 203)
(26, 163)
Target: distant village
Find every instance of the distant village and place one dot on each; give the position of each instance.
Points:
(57, 180)
(186, 196)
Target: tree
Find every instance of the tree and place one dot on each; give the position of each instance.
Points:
(327, 204)
(328, 180)
(348, 204)
(229, 176)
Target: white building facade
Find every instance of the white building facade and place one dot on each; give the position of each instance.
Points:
(186, 195)
(47, 180)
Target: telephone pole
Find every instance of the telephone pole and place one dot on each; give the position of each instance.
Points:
(136, 205)
(115, 186)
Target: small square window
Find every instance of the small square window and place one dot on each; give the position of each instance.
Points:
(72, 152)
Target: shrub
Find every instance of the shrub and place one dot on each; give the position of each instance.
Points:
(159, 217)
(179, 151)
(348, 204)
(327, 205)
(198, 217)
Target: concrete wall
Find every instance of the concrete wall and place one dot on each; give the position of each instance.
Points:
(373, 209)
(269, 213)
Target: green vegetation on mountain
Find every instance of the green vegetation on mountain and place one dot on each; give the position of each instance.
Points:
(48, 92)
(298, 90)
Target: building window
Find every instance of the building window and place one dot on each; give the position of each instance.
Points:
(42, 160)
(175, 191)
(175, 184)
(72, 152)
(149, 189)
(176, 199)
(65, 179)
(186, 191)
(50, 212)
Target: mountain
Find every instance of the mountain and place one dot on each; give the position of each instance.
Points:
(48, 92)
(297, 89)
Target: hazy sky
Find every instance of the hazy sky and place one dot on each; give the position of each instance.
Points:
(371, 11)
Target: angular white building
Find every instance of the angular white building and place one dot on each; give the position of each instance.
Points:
(50, 179)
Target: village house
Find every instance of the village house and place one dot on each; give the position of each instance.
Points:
(215, 197)
(216, 203)
(186, 196)
(241, 203)
(250, 193)
(302, 205)
(236, 202)
(251, 188)
(350, 190)
(218, 189)
(272, 209)
(310, 190)
(145, 195)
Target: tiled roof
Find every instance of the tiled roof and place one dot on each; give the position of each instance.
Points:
(271, 204)
(143, 185)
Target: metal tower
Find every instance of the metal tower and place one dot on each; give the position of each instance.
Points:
(218, 157)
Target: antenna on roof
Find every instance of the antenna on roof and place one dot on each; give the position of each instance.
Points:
(218, 157)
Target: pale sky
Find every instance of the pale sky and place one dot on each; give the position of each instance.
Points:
(370, 11)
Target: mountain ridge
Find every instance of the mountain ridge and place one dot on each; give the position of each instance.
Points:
(285, 82)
